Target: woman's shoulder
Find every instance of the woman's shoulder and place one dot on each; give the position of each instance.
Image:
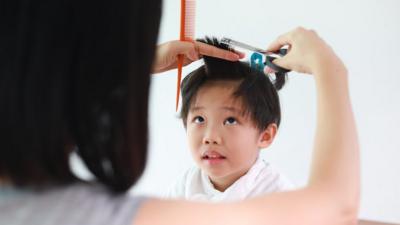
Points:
(80, 203)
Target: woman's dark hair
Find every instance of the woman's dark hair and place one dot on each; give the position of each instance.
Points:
(75, 75)
(257, 92)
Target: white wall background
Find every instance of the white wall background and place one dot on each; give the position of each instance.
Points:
(365, 34)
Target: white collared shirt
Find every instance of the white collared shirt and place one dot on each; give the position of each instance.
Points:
(261, 178)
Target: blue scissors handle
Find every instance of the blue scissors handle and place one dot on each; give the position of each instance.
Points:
(256, 57)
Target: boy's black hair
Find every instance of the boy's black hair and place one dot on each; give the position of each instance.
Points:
(257, 92)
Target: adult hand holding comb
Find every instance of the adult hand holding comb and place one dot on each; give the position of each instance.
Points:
(167, 54)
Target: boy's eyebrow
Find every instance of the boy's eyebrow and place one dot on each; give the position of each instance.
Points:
(231, 109)
(196, 108)
(225, 108)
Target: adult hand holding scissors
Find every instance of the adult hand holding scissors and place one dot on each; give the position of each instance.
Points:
(307, 52)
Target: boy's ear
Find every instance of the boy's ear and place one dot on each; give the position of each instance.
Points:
(267, 136)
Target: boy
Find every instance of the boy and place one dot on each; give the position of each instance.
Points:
(230, 112)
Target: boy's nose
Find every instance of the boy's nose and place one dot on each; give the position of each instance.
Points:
(212, 137)
(209, 141)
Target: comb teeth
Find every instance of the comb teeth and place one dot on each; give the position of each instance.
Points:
(190, 9)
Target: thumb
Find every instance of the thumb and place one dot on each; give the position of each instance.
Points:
(283, 62)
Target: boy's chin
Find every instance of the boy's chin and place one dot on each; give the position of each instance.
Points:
(215, 173)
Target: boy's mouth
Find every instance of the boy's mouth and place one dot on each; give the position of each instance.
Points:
(212, 157)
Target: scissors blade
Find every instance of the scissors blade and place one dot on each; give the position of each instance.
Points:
(242, 45)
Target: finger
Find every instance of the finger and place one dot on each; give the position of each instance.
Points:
(268, 70)
(189, 48)
(186, 48)
(182, 47)
(205, 49)
(240, 54)
(189, 39)
(283, 62)
(186, 62)
(193, 55)
(284, 39)
(278, 44)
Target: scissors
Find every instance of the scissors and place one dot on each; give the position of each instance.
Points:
(270, 56)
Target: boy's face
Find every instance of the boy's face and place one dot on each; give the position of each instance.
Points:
(224, 143)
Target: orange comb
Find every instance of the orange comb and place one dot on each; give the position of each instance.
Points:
(188, 8)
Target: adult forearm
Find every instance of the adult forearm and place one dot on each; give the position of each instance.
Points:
(336, 151)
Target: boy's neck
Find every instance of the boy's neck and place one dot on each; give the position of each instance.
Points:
(221, 184)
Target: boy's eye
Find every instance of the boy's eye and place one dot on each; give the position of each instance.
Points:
(198, 119)
(230, 121)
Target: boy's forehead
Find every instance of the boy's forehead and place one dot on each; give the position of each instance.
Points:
(229, 84)
(221, 92)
